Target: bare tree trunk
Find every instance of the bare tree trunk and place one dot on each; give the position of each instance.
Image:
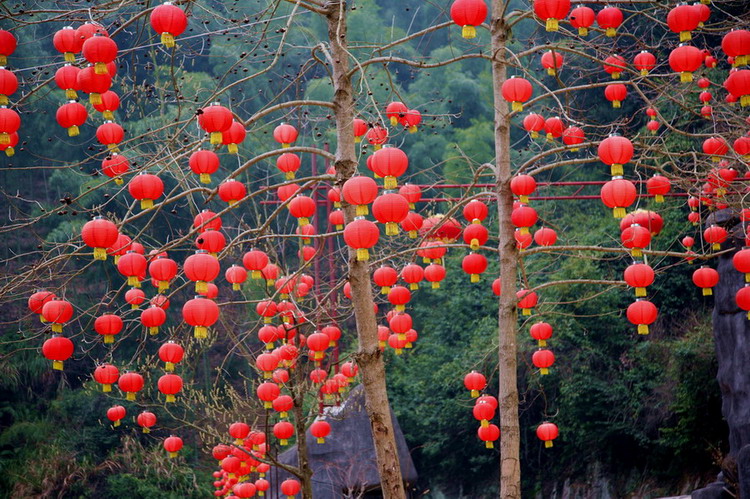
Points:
(368, 357)
(510, 469)
(300, 428)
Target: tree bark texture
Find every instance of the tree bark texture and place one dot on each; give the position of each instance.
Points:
(369, 358)
(510, 468)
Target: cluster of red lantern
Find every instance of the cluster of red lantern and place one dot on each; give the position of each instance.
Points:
(399, 114)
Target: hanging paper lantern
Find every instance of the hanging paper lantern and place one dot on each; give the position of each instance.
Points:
(517, 90)
(106, 375)
(642, 313)
(683, 19)
(685, 59)
(390, 209)
(94, 84)
(522, 186)
(615, 151)
(360, 129)
(475, 235)
(715, 147)
(524, 217)
(360, 191)
(412, 193)
(552, 61)
(489, 434)
(736, 44)
(146, 188)
(639, 276)
(468, 14)
(169, 21)
(658, 186)
(170, 385)
(116, 414)
(476, 211)
(614, 65)
(108, 325)
(616, 93)
(58, 349)
(547, 432)
(573, 136)
(377, 136)
(543, 359)
(201, 313)
(554, 127)
(541, 332)
(715, 235)
(635, 238)
(164, 270)
(99, 50)
(545, 237)
(233, 137)
(214, 120)
(609, 19)
(288, 163)
(475, 382)
(390, 163)
(644, 62)
(204, 163)
(361, 235)
(99, 234)
(172, 445)
(285, 134)
(582, 18)
(526, 300)
(131, 383)
(232, 191)
(434, 273)
(67, 42)
(474, 264)
(551, 12)
(706, 278)
(385, 277)
(57, 312)
(533, 124)
(146, 420)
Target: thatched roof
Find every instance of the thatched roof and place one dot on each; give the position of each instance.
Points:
(345, 464)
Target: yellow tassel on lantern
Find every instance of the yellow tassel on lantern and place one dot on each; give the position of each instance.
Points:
(169, 366)
(469, 32)
(707, 292)
(163, 286)
(484, 423)
(3, 100)
(488, 444)
(153, 331)
(548, 444)
(413, 234)
(640, 292)
(408, 344)
(172, 455)
(232, 202)
(413, 286)
(534, 134)
(201, 287)
(100, 253)
(116, 423)
(636, 252)
(232, 148)
(550, 137)
(516, 106)
(401, 308)
(544, 371)
(426, 260)
(436, 285)
(107, 115)
(616, 75)
(616, 170)
(686, 77)
(642, 328)
(69, 57)
(256, 274)
(215, 138)
(685, 36)
(56, 328)
(236, 286)
(133, 306)
(113, 147)
(413, 129)
(659, 198)
(289, 175)
(474, 394)
(394, 120)
(106, 388)
(285, 145)
(95, 99)
(205, 178)
(118, 181)
(474, 278)
(363, 255)
(542, 343)
(57, 365)
(644, 72)
(551, 71)
(167, 39)
(583, 32)
(611, 32)
(619, 212)
(269, 346)
(200, 332)
(108, 338)
(377, 147)
(616, 104)
(357, 139)
(390, 182)
(552, 24)
(146, 430)
(391, 229)
(170, 398)
(525, 311)
(716, 246)
(147, 204)
(745, 100)
(267, 405)
(302, 221)
(10, 152)
(4, 138)
(381, 344)
(399, 351)
(524, 230)
(100, 68)
(134, 281)
(385, 290)
(130, 396)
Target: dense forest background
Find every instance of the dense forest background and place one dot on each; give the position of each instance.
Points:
(642, 414)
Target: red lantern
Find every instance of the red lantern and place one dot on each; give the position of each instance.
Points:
(164, 270)
(146, 420)
(412, 193)
(468, 14)
(706, 278)
(108, 325)
(526, 300)
(658, 186)
(543, 359)
(643, 313)
(552, 62)
(522, 186)
(618, 194)
(135, 297)
(38, 300)
(170, 385)
(58, 349)
(524, 217)
(133, 266)
(489, 434)
(152, 318)
(285, 134)
(57, 312)
(9, 124)
(474, 264)
(110, 134)
(573, 136)
(390, 163)
(385, 277)
(644, 62)
(110, 103)
(130, 383)
(635, 237)
(715, 235)
(483, 412)
(360, 128)
(116, 414)
(283, 430)
(71, 116)
(434, 274)
(67, 42)
(390, 209)
(267, 392)
(554, 127)
(172, 445)
(551, 11)
(288, 163)
(399, 296)
(94, 84)
(255, 261)
(582, 18)
(66, 79)
(201, 268)
(99, 234)
(533, 124)
(236, 276)
(214, 120)
(475, 382)
(738, 85)
(616, 93)
(86, 31)
(683, 19)
(114, 166)
(233, 136)
(545, 237)
(541, 332)
(290, 488)
(361, 235)
(171, 353)
(99, 50)
(360, 191)
(609, 19)
(395, 112)
(320, 430)
(169, 21)
(377, 136)
(639, 276)
(648, 219)
(523, 241)
(715, 147)
(685, 59)
(475, 235)
(614, 65)
(203, 162)
(736, 44)
(518, 90)
(302, 208)
(476, 211)
(8, 85)
(547, 432)
(411, 120)
(146, 188)
(201, 313)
